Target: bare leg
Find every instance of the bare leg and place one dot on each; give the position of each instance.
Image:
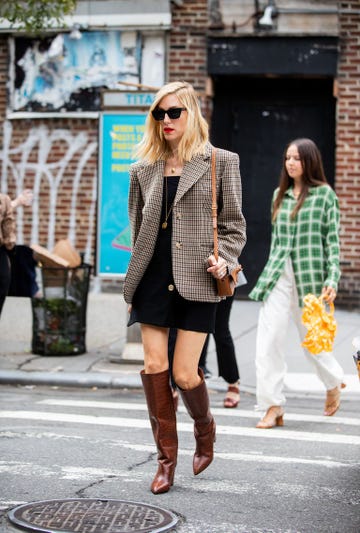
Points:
(155, 343)
(186, 358)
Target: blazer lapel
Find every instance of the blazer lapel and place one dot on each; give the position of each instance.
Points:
(153, 178)
(192, 172)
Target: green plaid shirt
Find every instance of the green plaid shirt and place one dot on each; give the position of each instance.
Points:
(311, 240)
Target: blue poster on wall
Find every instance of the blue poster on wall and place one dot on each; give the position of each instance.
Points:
(119, 132)
(66, 73)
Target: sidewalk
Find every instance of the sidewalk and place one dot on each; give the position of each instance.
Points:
(104, 366)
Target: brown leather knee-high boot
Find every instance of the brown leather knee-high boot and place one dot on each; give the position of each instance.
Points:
(196, 402)
(163, 423)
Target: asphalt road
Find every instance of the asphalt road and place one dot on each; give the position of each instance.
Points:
(81, 443)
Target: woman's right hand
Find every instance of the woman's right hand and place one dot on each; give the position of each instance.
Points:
(218, 268)
(129, 308)
(329, 294)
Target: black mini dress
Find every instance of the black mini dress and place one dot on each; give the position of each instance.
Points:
(156, 300)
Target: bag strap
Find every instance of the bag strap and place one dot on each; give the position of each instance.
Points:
(214, 203)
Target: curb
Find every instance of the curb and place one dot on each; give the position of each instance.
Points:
(105, 380)
(67, 379)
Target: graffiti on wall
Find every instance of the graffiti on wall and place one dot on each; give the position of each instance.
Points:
(17, 162)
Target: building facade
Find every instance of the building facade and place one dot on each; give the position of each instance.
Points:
(266, 72)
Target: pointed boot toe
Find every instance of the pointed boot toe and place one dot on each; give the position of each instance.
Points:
(204, 453)
(163, 480)
(197, 404)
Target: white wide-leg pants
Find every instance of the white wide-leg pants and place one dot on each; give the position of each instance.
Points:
(270, 344)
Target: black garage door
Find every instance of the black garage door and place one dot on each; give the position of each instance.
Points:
(257, 117)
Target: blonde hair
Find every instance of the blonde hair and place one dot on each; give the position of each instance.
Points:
(154, 146)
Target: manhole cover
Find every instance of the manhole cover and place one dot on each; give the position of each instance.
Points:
(92, 516)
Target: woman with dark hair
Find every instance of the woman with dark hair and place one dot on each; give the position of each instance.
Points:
(170, 282)
(304, 258)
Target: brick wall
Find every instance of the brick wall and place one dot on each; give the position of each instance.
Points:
(348, 152)
(62, 150)
(57, 159)
(187, 57)
(48, 154)
(3, 77)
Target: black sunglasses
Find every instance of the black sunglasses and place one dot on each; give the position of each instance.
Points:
(172, 113)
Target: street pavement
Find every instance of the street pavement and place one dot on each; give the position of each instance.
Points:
(114, 353)
(93, 440)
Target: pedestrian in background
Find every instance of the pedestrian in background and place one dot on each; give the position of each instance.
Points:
(304, 258)
(225, 352)
(24, 199)
(8, 237)
(7, 242)
(170, 282)
(225, 349)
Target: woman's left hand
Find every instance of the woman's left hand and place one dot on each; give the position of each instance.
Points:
(25, 199)
(218, 268)
(329, 294)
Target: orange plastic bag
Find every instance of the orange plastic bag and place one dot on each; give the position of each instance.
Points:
(320, 323)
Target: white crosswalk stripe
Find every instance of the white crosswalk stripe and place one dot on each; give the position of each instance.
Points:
(21, 468)
(54, 443)
(141, 423)
(240, 413)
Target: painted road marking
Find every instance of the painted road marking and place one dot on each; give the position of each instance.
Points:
(22, 468)
(238, 413)
(332, 438)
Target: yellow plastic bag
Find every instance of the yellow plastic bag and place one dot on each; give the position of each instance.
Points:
(320, 323)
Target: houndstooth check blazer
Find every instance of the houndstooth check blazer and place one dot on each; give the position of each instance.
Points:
(192, 232)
